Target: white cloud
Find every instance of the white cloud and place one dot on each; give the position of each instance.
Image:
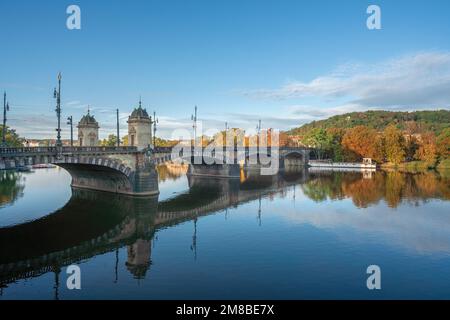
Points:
(413, 81)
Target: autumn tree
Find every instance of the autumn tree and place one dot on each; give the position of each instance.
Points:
(125, 140)
(110, 142)
(394, 144)
(411, 147)
(362, 142)
(443, 144)
(427, 150)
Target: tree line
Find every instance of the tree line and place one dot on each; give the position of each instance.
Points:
(390, 145)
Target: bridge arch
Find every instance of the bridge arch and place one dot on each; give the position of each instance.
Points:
(99, 177)
(294, 158)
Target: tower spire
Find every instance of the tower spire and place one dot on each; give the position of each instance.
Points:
(140, 102)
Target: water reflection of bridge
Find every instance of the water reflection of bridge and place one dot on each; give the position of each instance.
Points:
(93, 223)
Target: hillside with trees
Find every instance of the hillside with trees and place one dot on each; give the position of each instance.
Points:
(420, 138)
(434, 121)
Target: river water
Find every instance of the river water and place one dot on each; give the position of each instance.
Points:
(298, 235)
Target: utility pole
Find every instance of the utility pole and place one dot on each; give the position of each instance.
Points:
(117, 124)
(57, 96)
(5, 108)
(224, 138)
(258, 130)
(70, 122)
(194, 125)
(155, 121)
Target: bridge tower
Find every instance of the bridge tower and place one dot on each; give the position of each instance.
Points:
(88, 131)
(139, 128)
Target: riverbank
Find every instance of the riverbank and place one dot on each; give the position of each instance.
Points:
(443, 168)
(417, 166)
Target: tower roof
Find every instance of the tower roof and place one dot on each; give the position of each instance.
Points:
(88, 120)
(139, 113)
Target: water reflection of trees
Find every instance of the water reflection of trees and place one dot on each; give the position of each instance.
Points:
(11, 187)
(171, 171)
(392, 187)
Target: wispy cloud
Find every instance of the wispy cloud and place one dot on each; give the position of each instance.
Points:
(412, 81)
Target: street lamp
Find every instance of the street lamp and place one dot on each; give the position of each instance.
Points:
(57, 96)
(258, 129)
(70, 123)
(5, 108)
(117, 120)
(194, 124)
(155, 121)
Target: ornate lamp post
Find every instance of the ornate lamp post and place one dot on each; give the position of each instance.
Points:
(70, 122)
(258, 130)
(118, 135)
(5, 108)
(194, 123)
(155, 121)
(57, 96)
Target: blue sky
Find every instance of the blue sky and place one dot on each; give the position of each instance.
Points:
(285, 62)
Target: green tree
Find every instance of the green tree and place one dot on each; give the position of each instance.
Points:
(319, 140)
(335, 136)
(12, 138)
(394, 144)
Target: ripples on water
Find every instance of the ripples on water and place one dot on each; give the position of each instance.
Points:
(295, 235)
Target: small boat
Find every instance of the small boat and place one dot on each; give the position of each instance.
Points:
(366, 164)
(43, 166)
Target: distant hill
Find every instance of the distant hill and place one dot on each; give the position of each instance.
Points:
(420, 121)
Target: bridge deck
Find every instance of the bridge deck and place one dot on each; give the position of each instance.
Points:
(25, 151)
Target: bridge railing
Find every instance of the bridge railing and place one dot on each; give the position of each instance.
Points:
(162, 149)
(7, 151)
(223, 149)
(68, 149)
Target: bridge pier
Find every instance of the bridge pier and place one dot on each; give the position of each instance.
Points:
(215, 170)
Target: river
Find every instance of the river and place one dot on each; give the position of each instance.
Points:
(298, 235)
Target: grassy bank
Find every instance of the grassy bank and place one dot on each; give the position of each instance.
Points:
(444, 165)
(417, 166)
(413, 166)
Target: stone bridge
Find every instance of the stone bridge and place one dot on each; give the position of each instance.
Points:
(132, 170)
(224, 162)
